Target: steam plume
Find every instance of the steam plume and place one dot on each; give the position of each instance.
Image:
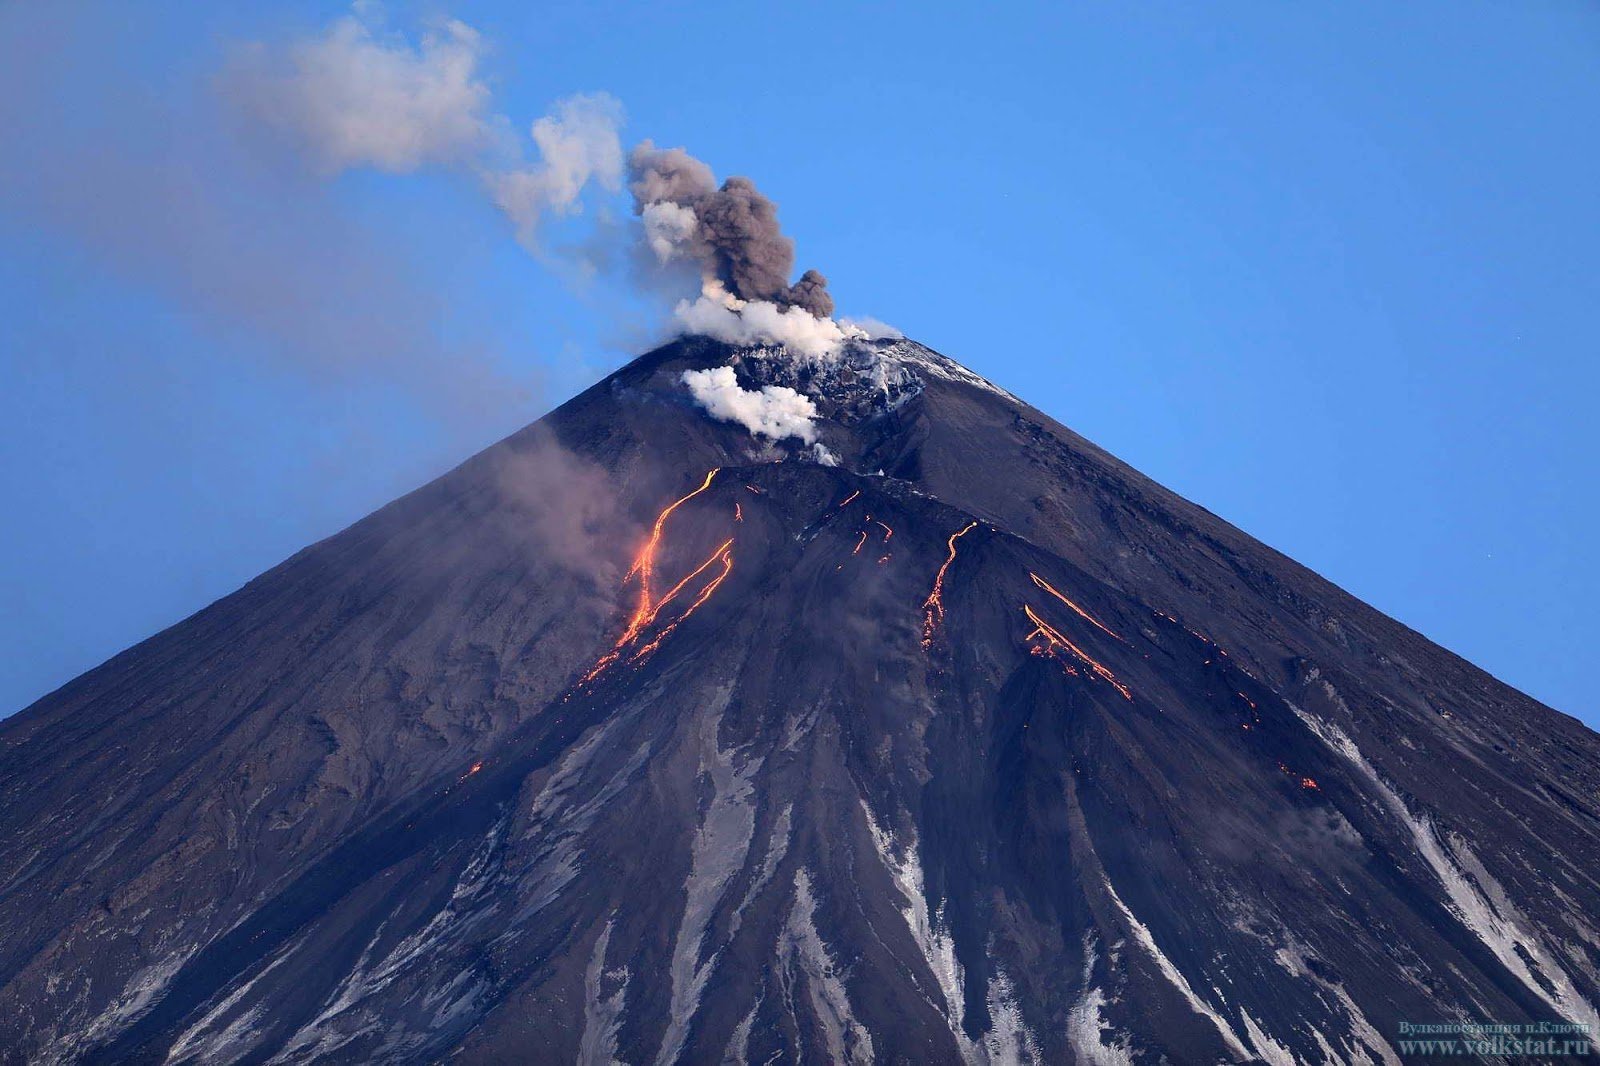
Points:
(775, 412)
(732, 232)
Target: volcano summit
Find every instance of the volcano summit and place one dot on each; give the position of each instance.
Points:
(916, 730)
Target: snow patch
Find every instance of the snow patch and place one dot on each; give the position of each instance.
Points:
(1086, 1024)
(207, 1041)
(1269, 1049)
(420, 950)
(738, 1051)
(777, 848)
(911, 353)
(602, 1013)
(927, 929)
(1009, 1041)
(1364, 1038)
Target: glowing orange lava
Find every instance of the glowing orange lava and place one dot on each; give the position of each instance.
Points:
(1307, 783)
(1081, 613)
(696, 572)
(933, 606)
(738, 513)
(648, 608)
(725, 557)
(887, 532)
(857, 549)
(848, 498)
(1054, 638)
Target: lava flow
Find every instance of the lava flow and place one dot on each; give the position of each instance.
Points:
(1054, 639)
(1081, 613)
(724, 555)
(649, 608)
(933, 606)
(887, 534)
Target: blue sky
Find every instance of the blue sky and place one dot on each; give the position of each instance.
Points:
(1327, 269)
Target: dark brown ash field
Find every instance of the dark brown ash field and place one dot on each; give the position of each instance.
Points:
(1129, 784)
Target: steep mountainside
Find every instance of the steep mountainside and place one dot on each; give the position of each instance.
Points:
(633, 739)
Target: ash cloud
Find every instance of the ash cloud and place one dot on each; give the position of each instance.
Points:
(577, 144)
(731, 231)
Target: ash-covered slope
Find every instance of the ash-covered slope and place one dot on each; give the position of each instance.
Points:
(977, 746)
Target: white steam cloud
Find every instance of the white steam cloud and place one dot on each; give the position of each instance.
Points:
(872, 328)
(775, 412)
(718, 313)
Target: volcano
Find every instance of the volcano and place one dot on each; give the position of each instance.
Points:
(941, 737)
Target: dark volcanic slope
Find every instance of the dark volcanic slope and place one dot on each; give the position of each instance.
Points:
(977, 746)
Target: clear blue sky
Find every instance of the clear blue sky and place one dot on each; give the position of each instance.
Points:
(1326, 268)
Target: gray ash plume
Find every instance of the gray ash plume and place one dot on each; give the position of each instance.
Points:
(731, 231)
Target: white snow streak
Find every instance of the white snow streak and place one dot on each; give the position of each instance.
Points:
(1269, 1049)
(1009, 1040)
(1476, 898)
(913, 354)
(804, 954)
(138, 995)
(1364, 1038)
(1175, 977)
(927, 930)
(738, 1051)
(423, 947)
(602, 1014)
(721, 845)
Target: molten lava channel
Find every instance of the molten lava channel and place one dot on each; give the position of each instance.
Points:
(1054, 639)
(933, 606)
(648, 607)
(1081, 613)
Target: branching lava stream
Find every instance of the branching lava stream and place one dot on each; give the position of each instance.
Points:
(648, 608)
(1055, 639)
